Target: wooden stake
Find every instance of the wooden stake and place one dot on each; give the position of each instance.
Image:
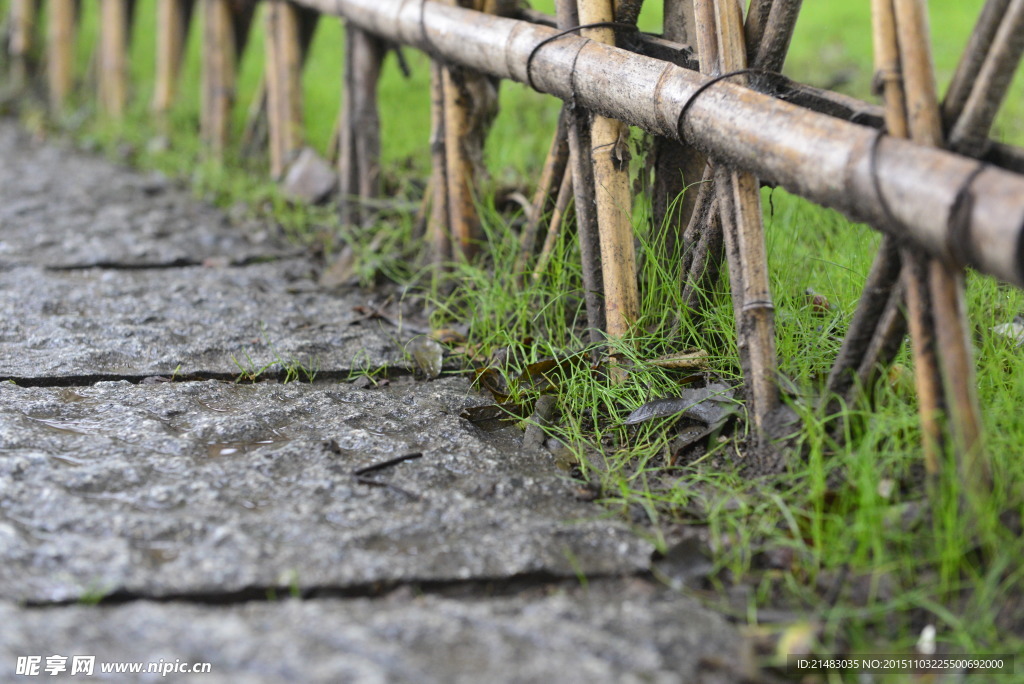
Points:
(225, 31)
(587, 233)
(438, 228)
(219, 73)
(872, 305)
(969, 134)
(359, 157)
(610, 158)
(62, 15)
(551, 179)
(945, 284)
(776, 35)
(173, 19)
(971, 61)
(753, 28)
(891, 73)
(676, 164)
(113, 73)
(283, 75)
(22, 40)
(769, 25)
(459, 167)
(739, 196)
(555, 224)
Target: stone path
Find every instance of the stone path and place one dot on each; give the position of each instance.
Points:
(207, 521)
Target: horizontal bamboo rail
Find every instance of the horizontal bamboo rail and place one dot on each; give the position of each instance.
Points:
(831, 162)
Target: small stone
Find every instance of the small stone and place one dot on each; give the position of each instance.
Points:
(310, 178)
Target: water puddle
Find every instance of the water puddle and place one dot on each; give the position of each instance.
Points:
(68, 427)
(219, 449)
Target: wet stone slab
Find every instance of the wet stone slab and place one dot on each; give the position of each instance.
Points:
(67, 209)
(220, 320)
(603, 634)
(211, 487)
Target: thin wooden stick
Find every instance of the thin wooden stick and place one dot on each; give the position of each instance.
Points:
(548, 189)
(438, 228)
(609, 155)
(22, 40)
(771, 24)
(554, 225)
(359, 154)
(676, 164)
(256, 133)
(946, 284)
(969, 134)
(113, 75)
(871, 307)
(890, 330)
(743, 228)
(863, 330)
(462, 212)
(891, 71)
(753, 28)
(974, 56)
(61, 50)
(173, 20)
(586, 205)
(778, 33)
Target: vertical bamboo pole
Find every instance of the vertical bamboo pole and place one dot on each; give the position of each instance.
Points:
(969, 133)
(676, 165)
(438, 227)
(555, 224)
(459, 167)
(856, 357)
(23, 28)
(551, 178)
(890, 72)
(970, 64)
(946, 284)
(359, 157)
(60, 50)
(776, 35)
(219, 73)
(769, 25)
(284, 84)
(584, 194)
(173, 19)
(610, 159)
(113, 76)
(721, 32)
(470, 105)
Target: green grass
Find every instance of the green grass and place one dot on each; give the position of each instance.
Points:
(848, 537)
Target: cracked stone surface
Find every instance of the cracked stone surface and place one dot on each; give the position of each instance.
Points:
(193, 488)
(603, 634)
(184, 508)
(205, 320)
(63, 208)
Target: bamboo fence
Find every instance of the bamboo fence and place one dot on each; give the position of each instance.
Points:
(923, 172)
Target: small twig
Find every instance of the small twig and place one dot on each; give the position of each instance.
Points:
(373, 467)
